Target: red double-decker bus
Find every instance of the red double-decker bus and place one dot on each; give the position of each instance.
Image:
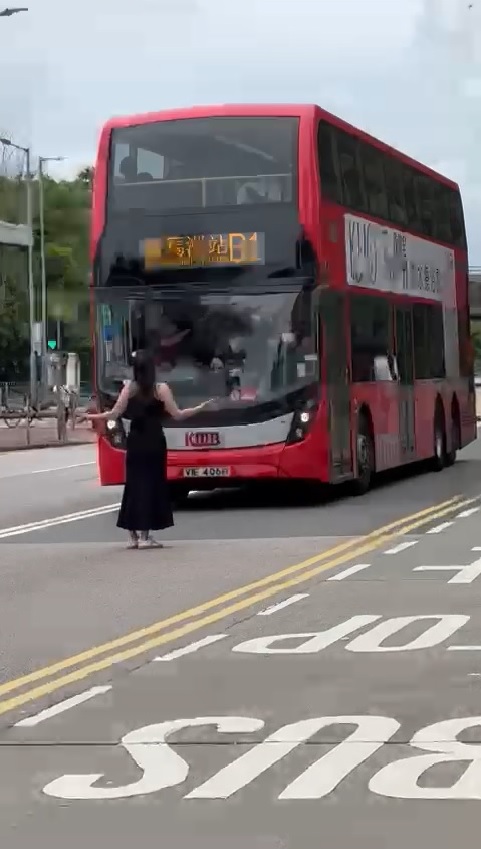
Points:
(310, 277)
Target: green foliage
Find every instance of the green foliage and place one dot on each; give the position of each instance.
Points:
(13, 200)
(14, 343)
(66, 222)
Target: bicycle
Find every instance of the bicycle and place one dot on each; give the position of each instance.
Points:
(12, 416)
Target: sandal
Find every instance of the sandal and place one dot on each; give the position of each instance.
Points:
(134, 540)
(150, 543)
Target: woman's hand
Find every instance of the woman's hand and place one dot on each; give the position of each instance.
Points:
(211, 404)
(89, 417)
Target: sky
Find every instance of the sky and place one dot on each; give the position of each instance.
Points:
(408, 72)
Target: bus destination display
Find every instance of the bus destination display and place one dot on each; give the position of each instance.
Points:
(208, 249)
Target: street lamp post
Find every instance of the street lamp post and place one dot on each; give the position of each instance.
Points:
(43, 270)
(31, 295)
(7, 13)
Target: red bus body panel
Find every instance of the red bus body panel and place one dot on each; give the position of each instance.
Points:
(323, 224)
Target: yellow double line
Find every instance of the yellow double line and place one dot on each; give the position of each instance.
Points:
(138, 642)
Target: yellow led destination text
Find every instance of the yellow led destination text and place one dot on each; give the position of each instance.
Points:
(204, 250)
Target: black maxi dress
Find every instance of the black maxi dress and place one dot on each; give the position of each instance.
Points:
(145, 503)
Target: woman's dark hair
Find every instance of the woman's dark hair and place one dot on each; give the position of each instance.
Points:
(144, 373)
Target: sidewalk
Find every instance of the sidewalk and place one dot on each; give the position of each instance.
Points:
(43, 434)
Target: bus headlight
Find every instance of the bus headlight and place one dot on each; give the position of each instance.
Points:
(115, 432)
(302, 422)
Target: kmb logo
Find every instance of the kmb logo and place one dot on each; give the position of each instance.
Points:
(202, 439)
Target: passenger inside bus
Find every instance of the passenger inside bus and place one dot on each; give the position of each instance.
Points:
(128, 170)
(259, 190)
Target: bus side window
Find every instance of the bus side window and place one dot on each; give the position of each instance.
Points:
(424, 190)
(374, 181)
(371, 339)
(331, 186)
(456, 217)
(421, 342)
(428, 332)
(442, 224)
(352, 182)
(395, 191)
(385, 368)
(410, 199)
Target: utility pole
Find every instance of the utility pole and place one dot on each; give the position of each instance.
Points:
(43, 268)
(31, 294)
(7, 13)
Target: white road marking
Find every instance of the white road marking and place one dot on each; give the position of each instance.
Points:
(282, 604)
(401, 547)
(439, 528)
(466, 513)
(464, 574)
(191, 648)
(58, 468)
(58, 520)
(161, 766)
(61, 707)
(443, 626)
(463, 648)
(358, 567)
(476, 548)
(311, 642)
(322, 777)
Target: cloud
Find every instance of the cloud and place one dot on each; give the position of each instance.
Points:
(408, 72)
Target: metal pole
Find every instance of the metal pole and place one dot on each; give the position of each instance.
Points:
(31, 293)
(7, 13)
(43, 272)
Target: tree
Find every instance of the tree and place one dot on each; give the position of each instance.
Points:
(86, 176)
(67, 216)
(14, 343)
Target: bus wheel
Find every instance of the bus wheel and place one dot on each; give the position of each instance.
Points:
(450, 457)
(365, 457)
(179, 494)
(438, 462)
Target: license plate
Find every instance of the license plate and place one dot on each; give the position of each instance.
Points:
(207, 472)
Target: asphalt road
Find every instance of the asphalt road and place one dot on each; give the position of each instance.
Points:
(294, 704)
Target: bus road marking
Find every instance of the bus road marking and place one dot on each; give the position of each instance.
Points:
(140, 642)
(162, 766)
(282, 604)
(401, 547)
(464, 574)
(437, 629)
(352, 570)
(439, 528)
(62, 707)
(191, 648)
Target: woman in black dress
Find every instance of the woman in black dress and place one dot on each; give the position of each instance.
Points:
(146, 503)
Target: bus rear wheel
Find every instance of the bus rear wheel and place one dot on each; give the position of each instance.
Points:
(365, 457)
(438, 462)
(450, 458)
